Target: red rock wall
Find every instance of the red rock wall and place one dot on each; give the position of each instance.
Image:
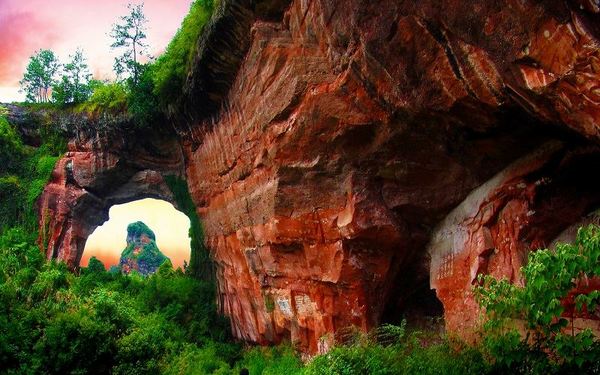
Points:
(351, 131)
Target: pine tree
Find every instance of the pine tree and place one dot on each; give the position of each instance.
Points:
(129, 34)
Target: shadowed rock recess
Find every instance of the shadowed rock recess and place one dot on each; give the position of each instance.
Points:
(347, 156)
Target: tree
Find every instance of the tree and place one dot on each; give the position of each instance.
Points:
(40, 76)
(129, 35)
(75, 85)
(95, 265)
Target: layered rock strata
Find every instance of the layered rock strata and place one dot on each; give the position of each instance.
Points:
(350, 132)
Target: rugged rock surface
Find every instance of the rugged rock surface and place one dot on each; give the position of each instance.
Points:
(345, 156)
(350, 132)
(141, 254)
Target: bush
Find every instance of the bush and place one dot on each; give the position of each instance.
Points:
(11, 148)
(271, 361)
(549, 277)
(107, 97)
(387, 350)
(194, 360)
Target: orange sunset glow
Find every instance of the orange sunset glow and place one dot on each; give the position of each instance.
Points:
(170, 226)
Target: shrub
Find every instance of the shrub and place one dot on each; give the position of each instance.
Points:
(11, 148)
(107, 97)
(194, 360)
(549, 277)
(271, 361)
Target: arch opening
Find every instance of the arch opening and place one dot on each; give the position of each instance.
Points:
(171, 227)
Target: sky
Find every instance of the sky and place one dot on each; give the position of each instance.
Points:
(170, 226)
(64, 25)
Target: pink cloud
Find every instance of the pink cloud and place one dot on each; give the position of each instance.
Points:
(21, 34)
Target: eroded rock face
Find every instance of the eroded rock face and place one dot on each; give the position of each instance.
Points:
(365, 150)
(523, 207)
(351, 132)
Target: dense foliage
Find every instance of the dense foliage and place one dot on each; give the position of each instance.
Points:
(530, 328)
(106, 98)
(76, 84)
(24, 171)
(53, 321)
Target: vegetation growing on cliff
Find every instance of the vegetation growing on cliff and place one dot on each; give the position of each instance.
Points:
(171, 68)
(531, 328)
(24, 171)
(141, 254)
(201, 265)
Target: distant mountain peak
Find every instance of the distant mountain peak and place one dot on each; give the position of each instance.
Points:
(141, 254)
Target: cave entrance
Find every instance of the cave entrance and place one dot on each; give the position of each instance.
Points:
(412, 298)
(171, 227)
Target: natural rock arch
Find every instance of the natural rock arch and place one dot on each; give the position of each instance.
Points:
(102, 169)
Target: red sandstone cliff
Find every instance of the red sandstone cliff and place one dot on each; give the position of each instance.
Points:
(366, 151)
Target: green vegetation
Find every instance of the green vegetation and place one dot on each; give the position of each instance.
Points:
(139, 255)
(40, 76)
(138, 229)
(129, 35)
(53, 321)
(76, 84)
(391, 350)
(106, 98)
(143, 89)
(527, 330)
(24, 171)
(171, 68)
(200, 263)
(40, 79)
